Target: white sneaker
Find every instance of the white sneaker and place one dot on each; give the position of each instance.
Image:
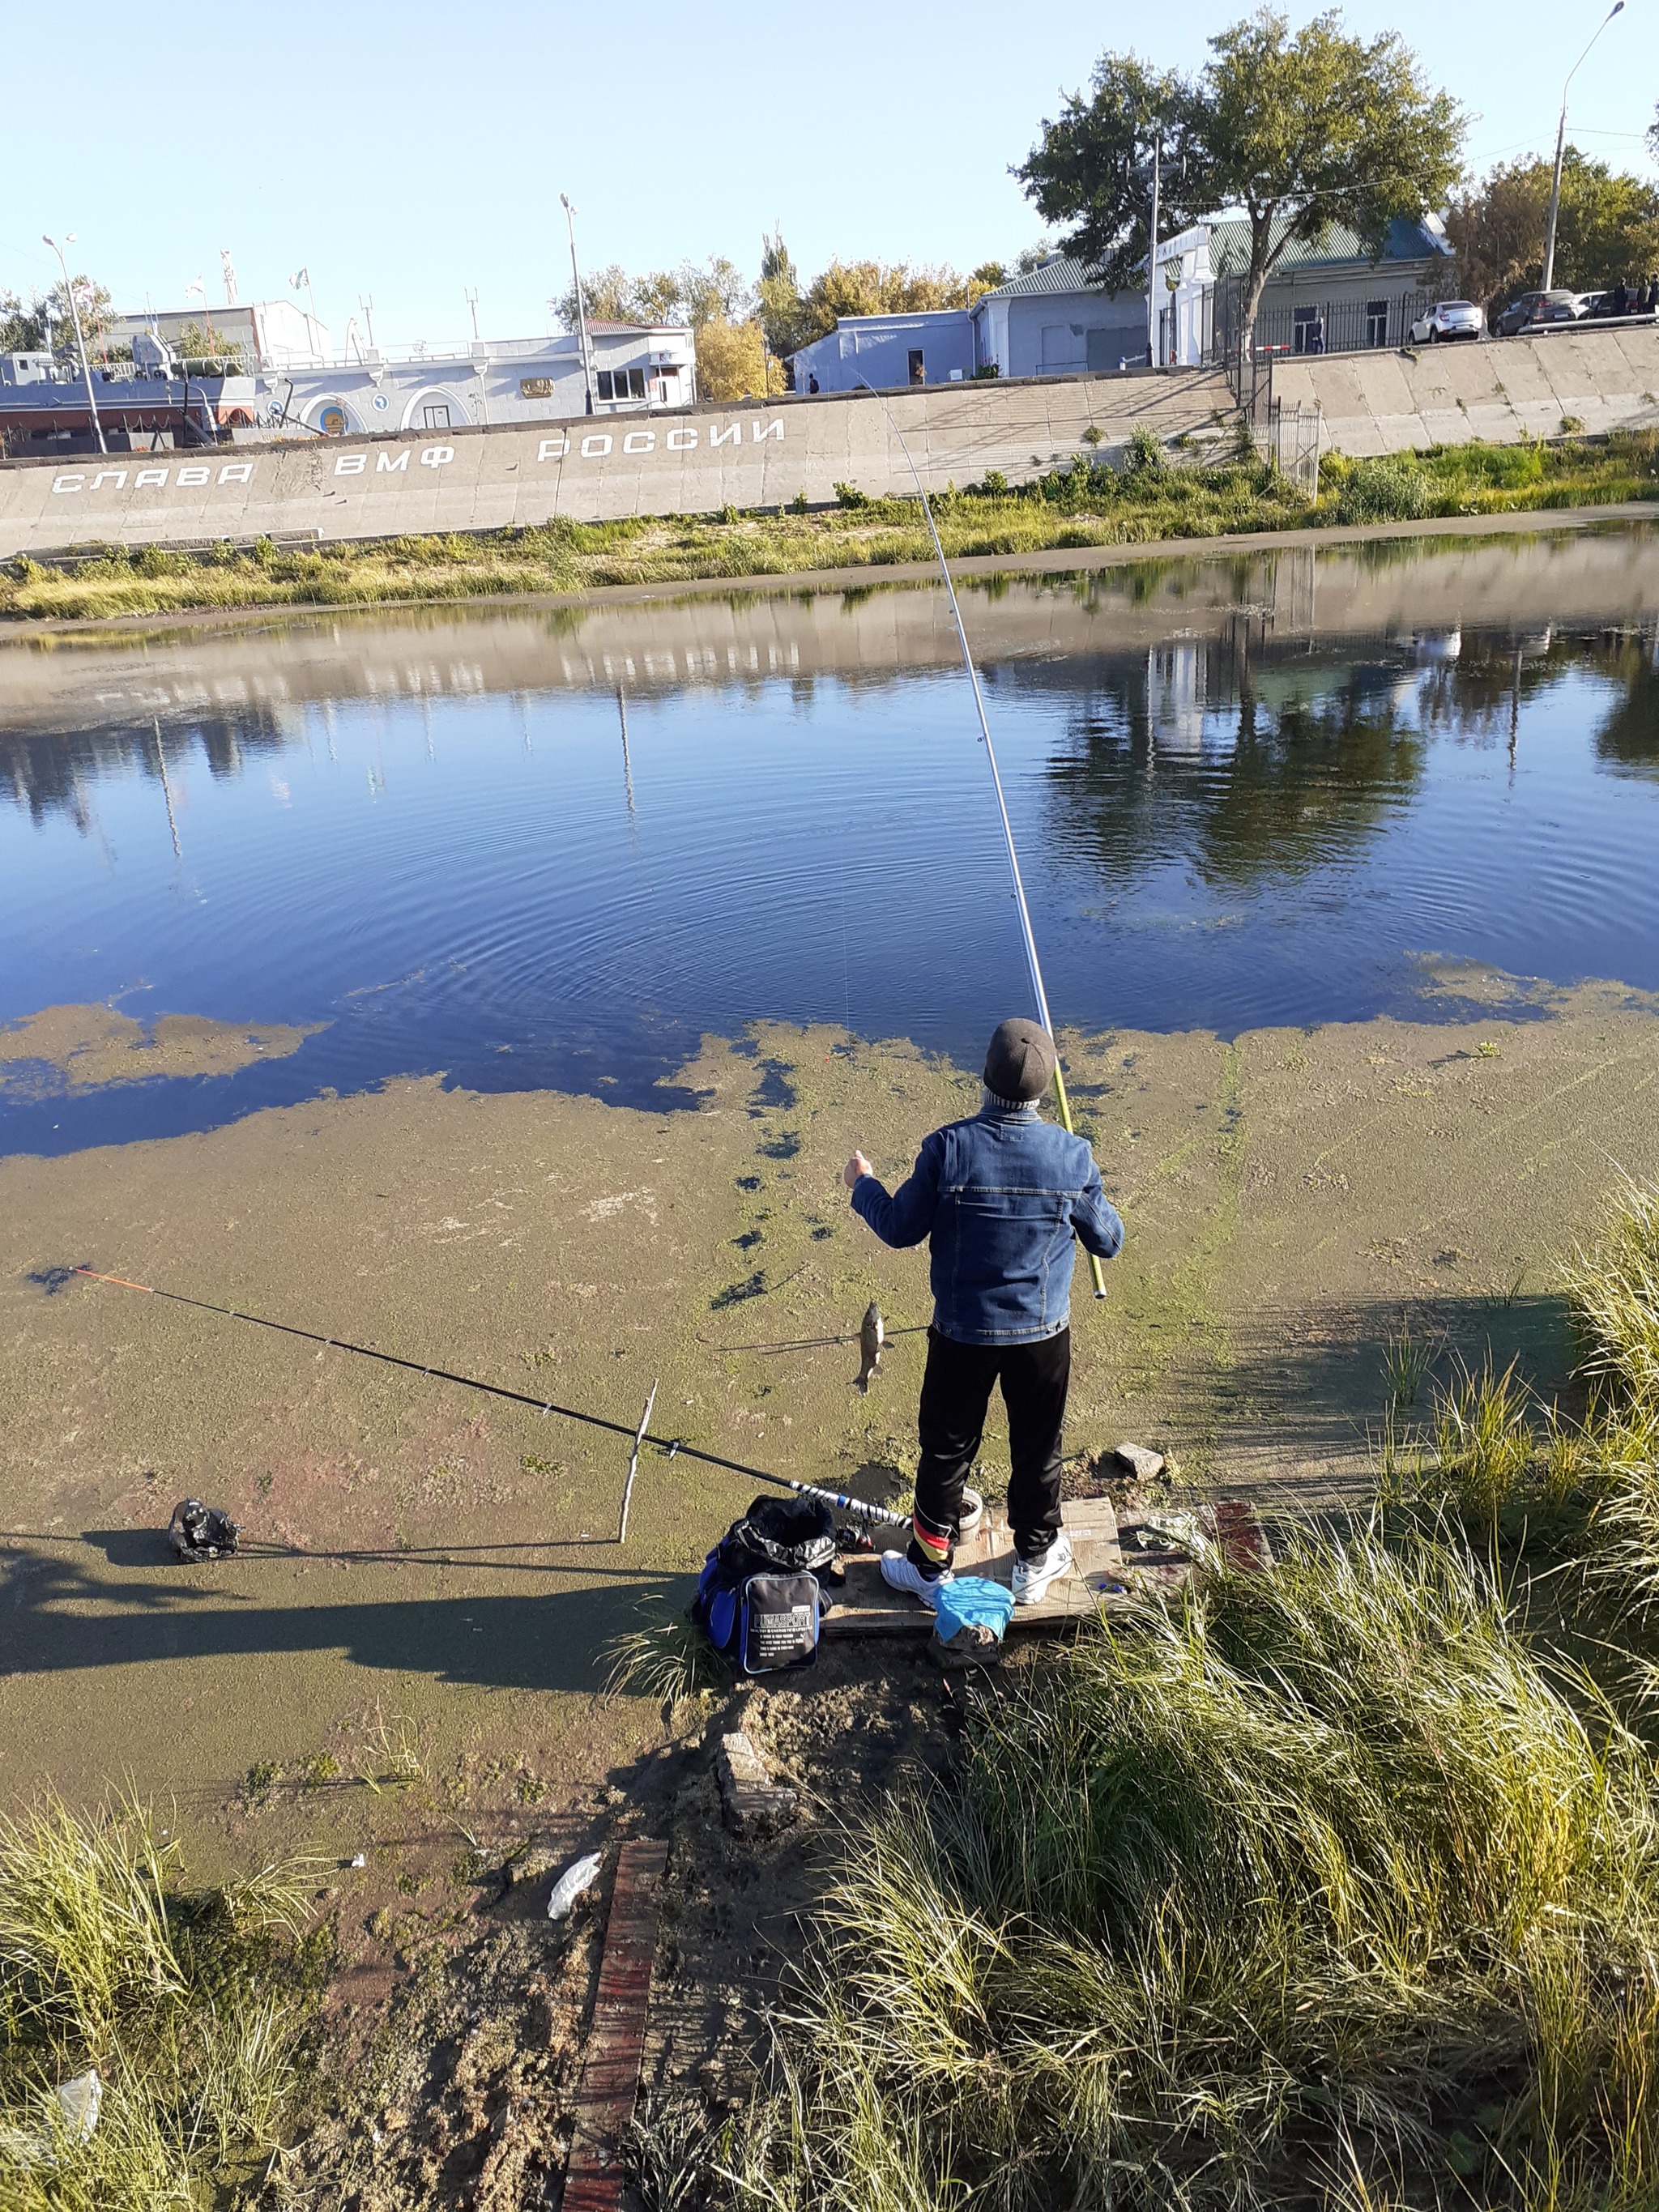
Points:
(1033, 1578)
(900, 1573)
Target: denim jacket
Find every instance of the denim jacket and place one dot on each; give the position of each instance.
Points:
(1001, 1196)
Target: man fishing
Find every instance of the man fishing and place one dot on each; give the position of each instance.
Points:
(1000, 1197)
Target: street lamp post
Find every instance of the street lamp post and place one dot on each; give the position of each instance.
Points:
(581, 312)
(80, 341)
(1617, 9)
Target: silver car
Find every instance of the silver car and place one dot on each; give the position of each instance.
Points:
(1449, 318)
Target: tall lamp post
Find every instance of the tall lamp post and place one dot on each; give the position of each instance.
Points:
(581, 312)
(1617, 9)
(80, 340)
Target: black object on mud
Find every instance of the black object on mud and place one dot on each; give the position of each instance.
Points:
(202, 1532)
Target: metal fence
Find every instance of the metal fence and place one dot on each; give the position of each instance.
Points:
(1362, 326)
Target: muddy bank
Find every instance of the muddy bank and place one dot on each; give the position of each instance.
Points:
(417, 1550)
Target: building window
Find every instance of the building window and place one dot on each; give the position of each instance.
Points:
(622, 384)
(435, 415)
(535, 387)
(1376, 322)
(918, 367)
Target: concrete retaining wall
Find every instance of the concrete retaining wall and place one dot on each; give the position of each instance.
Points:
(1514, 388)
(699, 459)
(689, 462)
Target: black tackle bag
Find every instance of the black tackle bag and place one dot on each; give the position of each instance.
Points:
(763, 1591)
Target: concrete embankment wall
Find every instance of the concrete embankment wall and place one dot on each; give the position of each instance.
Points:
(697, 460)
(1540, 388)
(693, 461)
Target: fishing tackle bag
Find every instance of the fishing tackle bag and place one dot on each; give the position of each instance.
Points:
(761, 1595)
(201, 1532)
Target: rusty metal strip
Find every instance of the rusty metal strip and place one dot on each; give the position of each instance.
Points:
(1241, 1538)
(615, 2041)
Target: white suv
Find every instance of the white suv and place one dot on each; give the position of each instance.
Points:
(1449, 318)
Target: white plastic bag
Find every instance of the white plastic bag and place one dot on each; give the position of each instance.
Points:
(571, 1884)
(81, 2100)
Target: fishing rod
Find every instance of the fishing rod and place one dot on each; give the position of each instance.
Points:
(673, 1446)
(1025, 929)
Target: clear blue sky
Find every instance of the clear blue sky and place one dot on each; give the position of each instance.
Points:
(413, 153)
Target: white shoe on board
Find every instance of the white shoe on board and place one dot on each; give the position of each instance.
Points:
(1034, 1578)
(900, 1573)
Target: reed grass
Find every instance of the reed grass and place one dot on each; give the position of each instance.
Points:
(189, 2005)
(1316, 1887)
(1085, 504)
(666, 1660)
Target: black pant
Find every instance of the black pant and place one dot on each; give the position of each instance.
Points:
(956, 1391)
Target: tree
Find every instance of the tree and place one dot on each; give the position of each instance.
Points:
(44, 322)
(781, 308)
(23, 328)
(873, 288)
(608, 296)
(714, 290)
(1300, 131)
(1607, 228)
(733, 362)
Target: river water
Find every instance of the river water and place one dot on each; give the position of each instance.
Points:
(534, 850)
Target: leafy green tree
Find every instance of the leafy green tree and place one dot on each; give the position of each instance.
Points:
(608, 296)
(1608, 227)
(1299, 131)
(781, 308)
(874, 288)
(43, 321)
(714, 290)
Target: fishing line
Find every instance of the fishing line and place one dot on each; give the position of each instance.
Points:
(672, 1445)
(1025, 929)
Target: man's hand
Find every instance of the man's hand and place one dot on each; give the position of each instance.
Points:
(857, 1166)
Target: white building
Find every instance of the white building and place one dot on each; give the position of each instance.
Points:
(635, 367)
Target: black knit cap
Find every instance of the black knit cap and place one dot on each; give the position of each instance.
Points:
(1020, 1065)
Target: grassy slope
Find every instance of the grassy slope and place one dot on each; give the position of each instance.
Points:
(1086, 506)
(1335, 1886)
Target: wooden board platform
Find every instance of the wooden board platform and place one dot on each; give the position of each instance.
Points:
(868, 1608)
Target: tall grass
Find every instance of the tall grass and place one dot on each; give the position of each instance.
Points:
(1319, 1886)
(1614, 1289)
(190, 2006)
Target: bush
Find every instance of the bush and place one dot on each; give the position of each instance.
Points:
(1144, 456)
(848, 495)
(1392, 490)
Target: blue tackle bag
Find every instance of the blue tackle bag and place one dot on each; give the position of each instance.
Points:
(761, 1597)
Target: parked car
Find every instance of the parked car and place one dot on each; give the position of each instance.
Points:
(1595, 303)
(1516, 315)
(1534, 308)
(1449, 318)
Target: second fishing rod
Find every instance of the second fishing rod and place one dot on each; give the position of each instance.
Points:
(1028, 935)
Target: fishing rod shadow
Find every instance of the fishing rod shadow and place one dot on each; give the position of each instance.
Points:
(149, 1547)
(810, 1343)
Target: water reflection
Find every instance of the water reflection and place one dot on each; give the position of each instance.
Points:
(525, 855)
(1248, 770)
